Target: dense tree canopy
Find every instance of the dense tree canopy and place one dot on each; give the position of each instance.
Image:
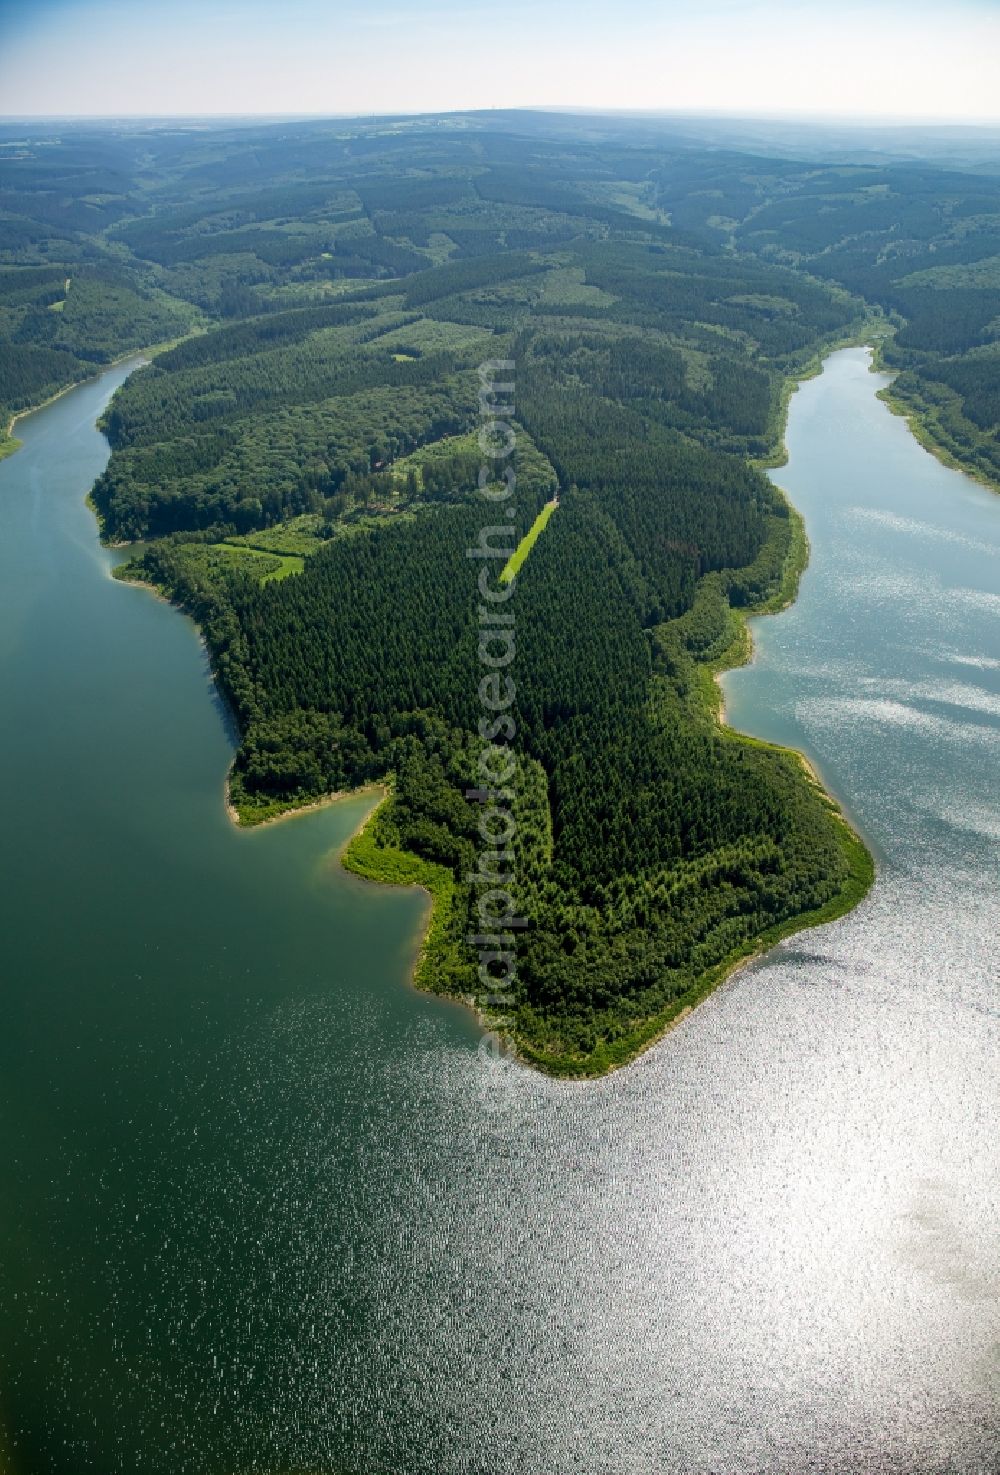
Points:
(306, 463)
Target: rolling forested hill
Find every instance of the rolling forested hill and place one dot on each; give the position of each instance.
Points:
(305, 462)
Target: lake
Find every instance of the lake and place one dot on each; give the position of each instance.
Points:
(267, 1209)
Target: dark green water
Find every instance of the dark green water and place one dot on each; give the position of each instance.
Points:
(265, 1209)
(157, 965)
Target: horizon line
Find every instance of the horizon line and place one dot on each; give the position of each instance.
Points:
(857, 120)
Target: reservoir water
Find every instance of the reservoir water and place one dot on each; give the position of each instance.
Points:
(263, 1208)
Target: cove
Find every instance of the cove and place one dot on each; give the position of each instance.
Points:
(266, 1209)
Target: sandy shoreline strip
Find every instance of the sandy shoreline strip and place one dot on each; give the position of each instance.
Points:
(323, 802)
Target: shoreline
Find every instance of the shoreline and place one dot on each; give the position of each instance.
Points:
(99, 370)
(399, 868)
(381, 788)
(293, 810)
(861, 863)
(923, 426)
(232, 813)
(10, 445)
(865, 333)
(742, 652)
(355, 868)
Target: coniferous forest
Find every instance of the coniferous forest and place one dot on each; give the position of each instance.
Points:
(302, 463)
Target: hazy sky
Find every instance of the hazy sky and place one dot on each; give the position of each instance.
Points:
(874, 58)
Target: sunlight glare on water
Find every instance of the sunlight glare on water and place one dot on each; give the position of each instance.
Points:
(327, 1235)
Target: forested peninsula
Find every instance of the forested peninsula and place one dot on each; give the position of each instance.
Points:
(304, 469)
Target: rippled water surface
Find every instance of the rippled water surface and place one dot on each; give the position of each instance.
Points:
(266, 1209)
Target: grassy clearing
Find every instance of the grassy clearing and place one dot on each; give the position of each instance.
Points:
(298, 537)
(516, 560)
(535, 471)
(213, 560)
(441, 450)
(277, 565)
(439, 247)
(628, 195)
(566, 286)
(428, 335)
